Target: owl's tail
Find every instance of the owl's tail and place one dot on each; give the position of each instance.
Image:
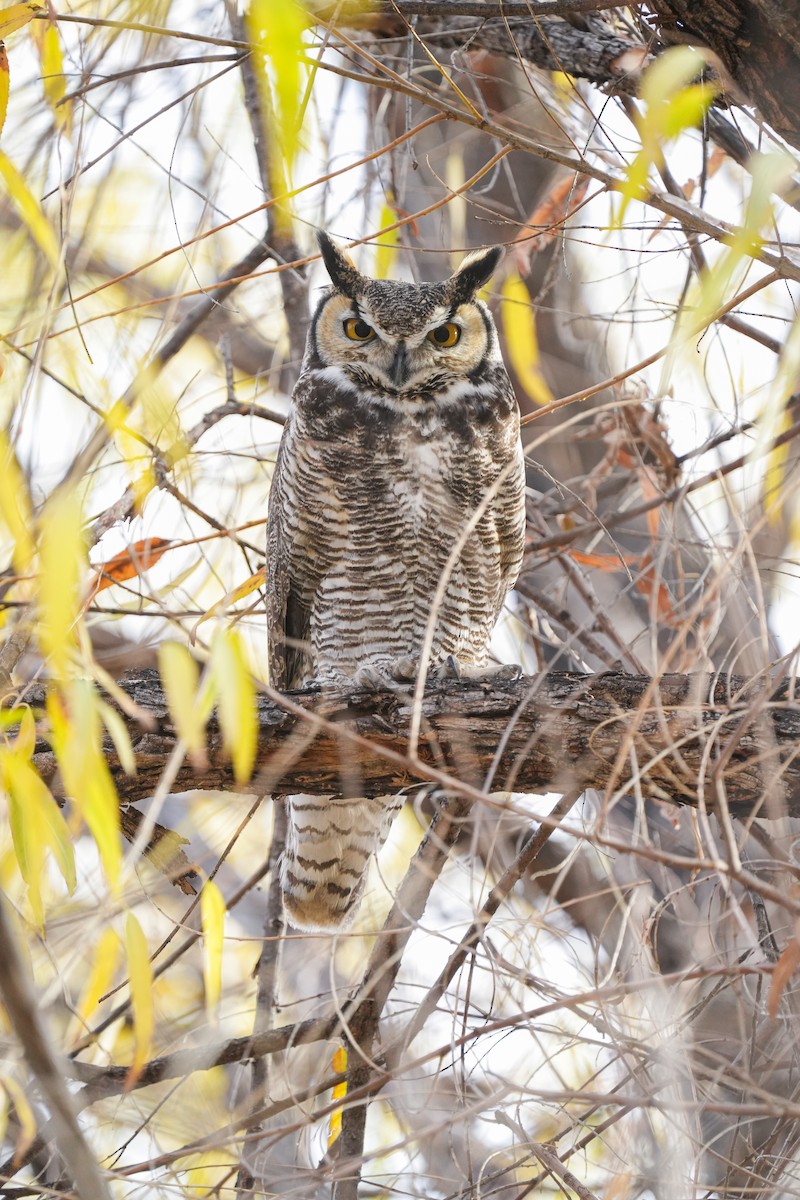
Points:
(329, 845)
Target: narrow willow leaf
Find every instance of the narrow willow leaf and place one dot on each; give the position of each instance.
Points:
(62, 568)
(119, 736)
(37, 825)
(519, 327)
(15, 506)
(27, 1121)
(25, 741)
(339, 1065)
(769, 175)
(386, 249)
(140, 974)
(180, 676)
(5, 84)
(250, 585)
(276, 30)
(670, 72)
(28, 209)
(772, 421)
(236, 702)
(54, 78)
(673, 104)
(104, 966)
(134, 561)
(76, 736)
(212, 918)
(17, 15)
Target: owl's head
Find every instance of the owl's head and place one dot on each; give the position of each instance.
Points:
(404, 336)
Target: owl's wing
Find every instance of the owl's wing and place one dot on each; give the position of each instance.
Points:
(288, 622)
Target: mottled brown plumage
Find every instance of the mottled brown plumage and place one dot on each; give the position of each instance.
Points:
(398, 492)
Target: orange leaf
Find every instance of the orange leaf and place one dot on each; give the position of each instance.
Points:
(649, 585)
(782, 972)
(649, 492)
(603, 562)
(546, 221)
(130, 563)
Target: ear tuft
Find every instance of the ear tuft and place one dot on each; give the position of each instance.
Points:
(474, 272)
(344, 273)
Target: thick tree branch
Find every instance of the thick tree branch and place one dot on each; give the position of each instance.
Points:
(695, 740)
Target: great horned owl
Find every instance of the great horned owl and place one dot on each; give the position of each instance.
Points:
(404, 427)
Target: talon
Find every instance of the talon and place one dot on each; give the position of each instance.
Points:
(404, 669)
(372, 679)
(451, 668)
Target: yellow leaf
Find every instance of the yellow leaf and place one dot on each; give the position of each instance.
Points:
(339, 1065)
(76, 737)
(773, 421)
(212, 918)
(670, 72)
(17, 15)
(674, 103)
(62, 568)
(386, 249)
(28, 209)
(104, 965)
(37, 825)
(236, 702)
(276, 32)
(15, 505)
(769, 174)
(244, 589)
(45, 35)
(140, 974)
(5, 84)
(119, 736)
(25, 742)
(27, 1121)
(519, 326)
(180, 676)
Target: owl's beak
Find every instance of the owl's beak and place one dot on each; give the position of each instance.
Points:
(399, 369)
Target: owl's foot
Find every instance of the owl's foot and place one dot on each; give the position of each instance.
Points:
(407, 669)
(372, 679)
(453, 668)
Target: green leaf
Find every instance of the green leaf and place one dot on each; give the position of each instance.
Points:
(670, 72)
(770, 174)
(276, 32)
(673, 104)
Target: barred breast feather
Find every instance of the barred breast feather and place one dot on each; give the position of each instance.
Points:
(394, 496)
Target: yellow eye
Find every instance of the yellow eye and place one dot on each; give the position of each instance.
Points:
(445, 335)
(358, 330)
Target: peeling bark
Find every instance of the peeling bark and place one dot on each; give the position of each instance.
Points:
(693, 740)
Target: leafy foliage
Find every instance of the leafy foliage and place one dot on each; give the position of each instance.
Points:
(576, 1020)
